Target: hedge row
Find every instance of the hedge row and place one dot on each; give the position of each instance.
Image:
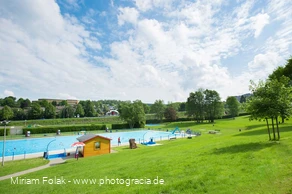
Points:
(54, 129)
(127, 126)
(2, 131)
(155, 121)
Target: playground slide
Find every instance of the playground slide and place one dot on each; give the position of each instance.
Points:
(176, 129)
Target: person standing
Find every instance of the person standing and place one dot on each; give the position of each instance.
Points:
(119, 141)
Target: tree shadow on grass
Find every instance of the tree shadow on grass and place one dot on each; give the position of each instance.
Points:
(263, 131)
(243, 148)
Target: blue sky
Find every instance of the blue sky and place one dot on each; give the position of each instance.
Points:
(139, 49)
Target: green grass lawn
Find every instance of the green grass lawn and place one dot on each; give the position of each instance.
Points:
(228, 162)
(11, 167)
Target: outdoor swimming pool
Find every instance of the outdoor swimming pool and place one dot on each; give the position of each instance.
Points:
(36, 145)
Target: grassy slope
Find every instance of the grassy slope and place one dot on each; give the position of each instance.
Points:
(11, 167)
(230, 162)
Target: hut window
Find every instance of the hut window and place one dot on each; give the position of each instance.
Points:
(97, 145)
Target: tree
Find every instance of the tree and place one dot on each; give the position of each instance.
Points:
(182, 106)
(9, 101)
(213, 105)
(146, 108)
(132, 113)
(19, 114)
(269, 101)
(232, 105)
(54, 103)
(283, 71)
(158, 108)
(79, 111)
(170, 113)
(6, 113)
(63, 103)
(50, 111)
(44, 103)
(67, 112)
(242, 99)
(25, 104)
(19, 102)
(35, 111)
(89, 110)
(195, 105)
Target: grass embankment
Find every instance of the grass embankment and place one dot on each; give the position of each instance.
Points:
(68, 121)
(11, 167)
(75, 121)
(228, 162)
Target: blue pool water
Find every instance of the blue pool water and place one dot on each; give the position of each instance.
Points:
(35, 145)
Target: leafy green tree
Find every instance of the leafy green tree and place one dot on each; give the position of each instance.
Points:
(174, 105)
(158, 108)
(132, 113)
(6, 113)
(19, 102)
(67, 112)
(54, 103)
(170, 113)
(146, 108)
(242, 99)
(233, 106)
(35, 111)
(195, 105)
(283, 71)
(44, 103)
(50, 111)
(63, 103)
(19, 114)
(269, 100)
(9, 101)
(26, 103)
(182, 107)
(79, 111)
(89, 109)
(213, 105)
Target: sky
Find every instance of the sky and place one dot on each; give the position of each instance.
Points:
(139, 49)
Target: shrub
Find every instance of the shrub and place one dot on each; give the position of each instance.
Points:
(2, 131)
(53, 129)
(126, 125)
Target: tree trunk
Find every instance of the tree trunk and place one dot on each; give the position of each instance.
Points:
(268, 129)
(278, 128)
(283, 119)
(274, 134)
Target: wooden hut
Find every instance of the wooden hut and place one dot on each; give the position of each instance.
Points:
(95, 145)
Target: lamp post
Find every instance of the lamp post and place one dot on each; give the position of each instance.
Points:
(4, 139)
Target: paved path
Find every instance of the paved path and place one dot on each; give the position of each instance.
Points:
(51, 163)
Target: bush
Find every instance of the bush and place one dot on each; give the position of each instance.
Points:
(2, 131)
(53, 129)
(244, 114)
(127, 126)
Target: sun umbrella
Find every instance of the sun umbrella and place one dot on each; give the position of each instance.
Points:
(77, 144)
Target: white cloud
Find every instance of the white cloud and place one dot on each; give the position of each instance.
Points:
(66, 96)
(264, 64)
(169, 50)
(127, 14)
(259, 22)
(45, 51)
(8, 93)
(146, 5)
